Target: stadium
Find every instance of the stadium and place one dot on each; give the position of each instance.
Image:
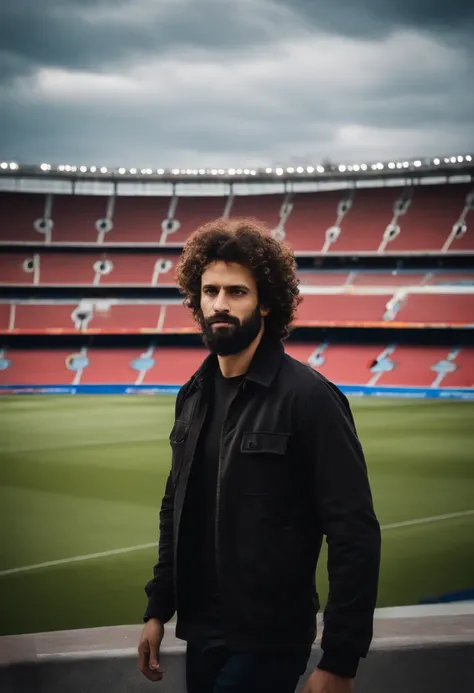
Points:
(92, 320)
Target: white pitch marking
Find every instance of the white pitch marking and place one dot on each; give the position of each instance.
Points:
(86, 557)
(129, 549)
(426, 520)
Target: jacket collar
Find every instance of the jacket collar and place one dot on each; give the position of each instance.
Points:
(263, 367)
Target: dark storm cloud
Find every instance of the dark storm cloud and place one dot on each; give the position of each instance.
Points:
(220, 83)
(375, 18)
(90, 33)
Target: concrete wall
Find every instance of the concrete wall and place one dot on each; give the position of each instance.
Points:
(417, 649)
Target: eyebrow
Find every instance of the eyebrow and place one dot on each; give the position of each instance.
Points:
(233, 286)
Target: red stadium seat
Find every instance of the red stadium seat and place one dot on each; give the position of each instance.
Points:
(18, 213)
(439, 308)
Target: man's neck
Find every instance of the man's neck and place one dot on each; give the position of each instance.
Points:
(238, 364)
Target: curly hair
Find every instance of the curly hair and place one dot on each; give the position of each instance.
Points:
(245, 241)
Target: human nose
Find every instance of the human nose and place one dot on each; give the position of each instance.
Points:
(221, 304)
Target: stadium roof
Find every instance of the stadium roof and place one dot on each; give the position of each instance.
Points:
(461, 164)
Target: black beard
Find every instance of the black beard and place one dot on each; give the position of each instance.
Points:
(227, 341)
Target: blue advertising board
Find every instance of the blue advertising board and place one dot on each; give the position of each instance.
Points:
(350, 390)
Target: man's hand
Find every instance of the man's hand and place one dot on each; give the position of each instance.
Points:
(322, 681)
(149, 650)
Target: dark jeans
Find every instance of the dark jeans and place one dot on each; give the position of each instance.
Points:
(220, 670)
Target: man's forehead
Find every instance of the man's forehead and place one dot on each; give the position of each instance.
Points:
(227, 274)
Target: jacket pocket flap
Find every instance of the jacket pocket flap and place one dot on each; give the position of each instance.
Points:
(179, 432)
(262, 442)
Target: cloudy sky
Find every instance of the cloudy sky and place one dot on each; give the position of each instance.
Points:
(166, 83)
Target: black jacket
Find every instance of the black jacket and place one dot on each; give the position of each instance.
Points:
(291, 471)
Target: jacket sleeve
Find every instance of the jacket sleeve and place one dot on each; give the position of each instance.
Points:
(160, 589)
(345, 514)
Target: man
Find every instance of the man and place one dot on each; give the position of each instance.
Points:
(265, 463)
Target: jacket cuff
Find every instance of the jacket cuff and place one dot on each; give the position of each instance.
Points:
(339, 662)
(153, 611)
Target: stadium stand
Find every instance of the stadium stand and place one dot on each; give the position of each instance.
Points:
(365, 365)
(171, 316)
(82, 241)
(145, 269)
(380, 219)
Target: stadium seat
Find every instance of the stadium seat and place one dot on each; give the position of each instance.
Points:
(18, 212)
(439, 308)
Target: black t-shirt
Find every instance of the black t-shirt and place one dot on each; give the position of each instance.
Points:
(201, 563)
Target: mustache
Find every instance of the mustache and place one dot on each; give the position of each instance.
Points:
(222, 318)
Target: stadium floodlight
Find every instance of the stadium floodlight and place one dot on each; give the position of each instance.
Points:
(74, 168)
(310, 169)
(417, 163)
(290, 169)
(406, 164)
(300, 169)
(214, 172)
(364, 167)
(253, 172)
(391, 165)
(231, 171)
(468, 157)
(103, 169)
(279, 171)
(13, 166)
(221, 172)
(202, 171)
(133, 171)
(45, 167)
(436, 162)
(268, 170)
(93, 169)
(4, 165)
(160, 171)
(453, 159)
(460, 159)
(239, 171)
(342, 168)
(356, 167)
(122, 171)
(83, 169)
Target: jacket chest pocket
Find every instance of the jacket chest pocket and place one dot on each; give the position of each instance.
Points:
(265, 462)
(177, 439)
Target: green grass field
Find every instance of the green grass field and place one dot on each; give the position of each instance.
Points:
(85, 475)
